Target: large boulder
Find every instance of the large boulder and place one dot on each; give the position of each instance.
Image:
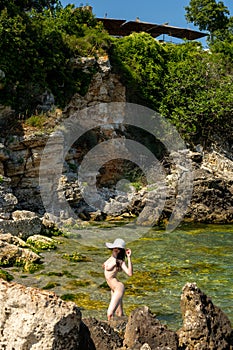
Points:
(11, 255)
(205, 326)
(24, 224)
(36, 320)
(144, 329)
(104, 336)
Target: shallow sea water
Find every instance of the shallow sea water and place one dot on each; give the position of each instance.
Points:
(163, 264)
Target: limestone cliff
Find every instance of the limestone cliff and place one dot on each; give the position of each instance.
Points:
(22, 146)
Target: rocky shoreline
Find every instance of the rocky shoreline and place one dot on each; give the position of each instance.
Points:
(34, 319)
(211, 200)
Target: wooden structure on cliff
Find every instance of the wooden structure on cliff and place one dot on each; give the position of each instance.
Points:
(121, 27)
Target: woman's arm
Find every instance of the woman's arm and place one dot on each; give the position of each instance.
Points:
(128, 269)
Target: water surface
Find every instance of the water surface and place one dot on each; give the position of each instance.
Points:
(163, 264)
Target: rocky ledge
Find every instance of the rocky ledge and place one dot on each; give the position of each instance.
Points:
(36, 320)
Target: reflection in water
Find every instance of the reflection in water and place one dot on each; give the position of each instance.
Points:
(163, 263)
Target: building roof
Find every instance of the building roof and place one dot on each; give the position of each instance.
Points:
(121, 27)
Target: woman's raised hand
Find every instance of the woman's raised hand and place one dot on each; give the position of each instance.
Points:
(128, 252)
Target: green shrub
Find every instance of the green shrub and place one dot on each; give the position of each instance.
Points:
(36, 121)
(141, 61)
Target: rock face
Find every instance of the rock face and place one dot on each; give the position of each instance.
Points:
(212, 198)
(143, 328)
(205, 326)
(21, 150)
(36, 320)
(7, 199)
(104, 87)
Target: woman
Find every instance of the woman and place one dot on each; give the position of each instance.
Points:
(111, 267)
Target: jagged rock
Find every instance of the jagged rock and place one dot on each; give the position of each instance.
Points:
(20, 159)
(3, 153)
(86, 341)
(104, 64)
(41, 242)
(24, 225)
(147, 347)
(105, 87)
(205, 326)
(7, 199)
(8, 238)
(23, 215)
(49, 225)
(103, 335)
(36, 320)
(46, 102)
(143, 327)
(10, 255)
(212, 198)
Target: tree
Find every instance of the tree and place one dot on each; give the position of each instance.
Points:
(38, 50)
(14, 7)
(198, 94)
(208, 15)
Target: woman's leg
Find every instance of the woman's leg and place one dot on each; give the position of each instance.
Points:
(119, 310)
(116, 300)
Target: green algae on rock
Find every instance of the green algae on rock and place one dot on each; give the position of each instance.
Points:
(76, 257)
(6, 275)
(84, 301)
(50, 285)
(41, 242)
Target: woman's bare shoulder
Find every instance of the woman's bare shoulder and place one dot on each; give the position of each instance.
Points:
(111, 258)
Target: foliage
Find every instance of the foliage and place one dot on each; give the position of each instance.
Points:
(184, 83)
(223, 42)
(51, 285)
(36, 121)
(198, 93)
(140, 60)
(15, 6)
(207, 14)
(41, 42)
(38, 50)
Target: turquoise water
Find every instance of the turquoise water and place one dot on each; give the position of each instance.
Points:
(163, 264)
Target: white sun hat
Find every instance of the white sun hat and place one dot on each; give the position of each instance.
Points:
(118, 243)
